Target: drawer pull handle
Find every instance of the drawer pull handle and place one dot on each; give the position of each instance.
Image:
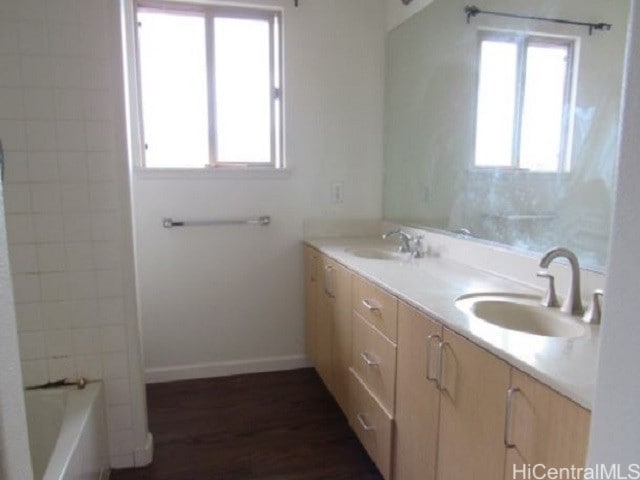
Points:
(369, 305)
(511, 393)
(363, 422)
(430, 340)
(366, 358)
(440, 380)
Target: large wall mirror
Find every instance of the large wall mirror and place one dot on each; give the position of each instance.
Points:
(506, 129)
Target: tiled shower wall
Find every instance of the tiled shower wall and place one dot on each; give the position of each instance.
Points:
(69, 243)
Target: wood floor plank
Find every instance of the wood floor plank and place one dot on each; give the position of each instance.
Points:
(267, 426)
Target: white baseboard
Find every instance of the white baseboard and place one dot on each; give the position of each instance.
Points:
(224, 369)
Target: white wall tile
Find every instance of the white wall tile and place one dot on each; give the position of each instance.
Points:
(89, 366)
(51, 257)
(113, 339)
(102, 166)
(13, 135)
(109, 283)
(10, 67)
(73, 166)
(65, 39)
(28, 317)
(60, 368)
(105, 227)
(59, 343)
(53, 286)
(71, 136)
(46, 198)
(69, 104)
(118, 392)
(9, 37)
(106, 255)
(77, 227)
(41, 135)
(11, 103)
(111, 311)
(119, 417)
(81, 285)
(32, 345)
(79, 256)
(99, 136)
(20, 229)
(34, 372)
(26, 288)
(16, 167)
(115, 365)
(75, 197)
(87, 341)
(33, 37)
(38, 104)
(43, 167)
(120, 441)
(17, 198)
(36, 71)
(48, 227)
(56, 316)
(84, 313)
(24, 259)
(68, 73)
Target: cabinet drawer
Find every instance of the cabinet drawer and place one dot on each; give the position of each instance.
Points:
(374, 360)
(371, 424)
(377, 307)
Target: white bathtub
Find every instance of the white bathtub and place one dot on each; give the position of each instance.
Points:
(68, 433)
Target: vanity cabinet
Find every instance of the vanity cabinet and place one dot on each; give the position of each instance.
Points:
(543, 427)
(417, 396)
(426, 403)
(473, 384)
(329, 325)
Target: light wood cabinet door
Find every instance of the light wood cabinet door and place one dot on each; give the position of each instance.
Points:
(544, 427)
(324, 322)
(417, 396)
(311, 260)
(340, 286)
(472, 411)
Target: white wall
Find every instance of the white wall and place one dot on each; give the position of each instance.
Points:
(67, 203)
(397, 12)
(230, 299)
(615, 430)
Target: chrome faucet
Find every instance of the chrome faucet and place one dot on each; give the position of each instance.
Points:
(572, 302)
(410, 244)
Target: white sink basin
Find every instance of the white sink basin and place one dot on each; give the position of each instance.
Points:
(373, 253)
(522, 313)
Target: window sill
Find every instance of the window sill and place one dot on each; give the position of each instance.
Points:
(141, 173)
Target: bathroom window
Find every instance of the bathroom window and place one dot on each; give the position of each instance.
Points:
(210, 85)
(524, 102)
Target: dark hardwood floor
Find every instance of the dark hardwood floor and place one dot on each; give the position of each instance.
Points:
(268, 426)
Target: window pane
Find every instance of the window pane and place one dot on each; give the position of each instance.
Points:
(243, 90)
(544, 103)
(173, 73)
(496, 103)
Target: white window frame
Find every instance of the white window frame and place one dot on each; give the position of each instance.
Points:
(523, 40)
(210, 11)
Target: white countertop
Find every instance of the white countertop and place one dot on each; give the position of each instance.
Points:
(432, 285)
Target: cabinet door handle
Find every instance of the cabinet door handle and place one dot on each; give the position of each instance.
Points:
(430, 340)
(328, 269)
(440, 382)
(366, 358)
(370, 305)
(363, 421)
(511, 393)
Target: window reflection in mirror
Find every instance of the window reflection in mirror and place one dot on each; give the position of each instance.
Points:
(524, 102)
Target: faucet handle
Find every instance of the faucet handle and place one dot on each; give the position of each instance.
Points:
(550, 299)
(593, 316)
(418, 249)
